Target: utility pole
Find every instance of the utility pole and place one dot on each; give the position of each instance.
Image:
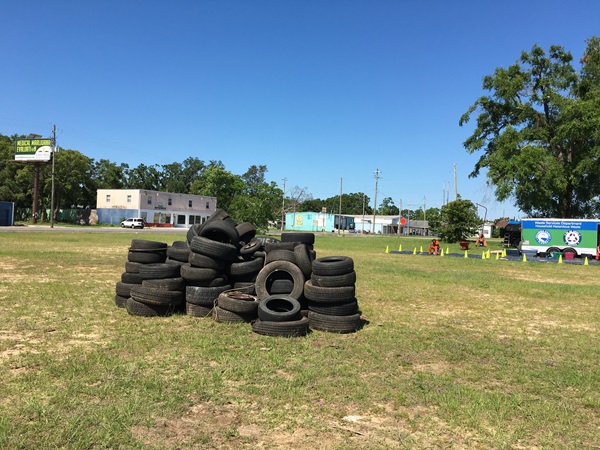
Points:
(375, 200)
(53, 158)
(399, 217)
(340, 210)
(363, 219)
(424, 213)
(455, 188)
(283, 205)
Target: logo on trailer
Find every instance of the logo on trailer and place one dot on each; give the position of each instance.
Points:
(543, 237)
(572, 237)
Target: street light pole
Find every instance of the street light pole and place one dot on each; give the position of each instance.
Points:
(53, 158)
(283, 205)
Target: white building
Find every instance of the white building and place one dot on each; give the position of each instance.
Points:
(164, 209)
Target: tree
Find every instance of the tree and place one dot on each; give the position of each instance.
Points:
(387, 207)
(108, 175)
(458, 220)
(216, 181)
(539, 132)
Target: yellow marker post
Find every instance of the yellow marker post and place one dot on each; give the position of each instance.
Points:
(504, 253)
(400, 248)
(442, 252)
(497, 256)
(415, 251)
(387, 249)
(524, 257)
(585, 263)
(447, 251)
(466, 254)
(421, 251)
(560, 259)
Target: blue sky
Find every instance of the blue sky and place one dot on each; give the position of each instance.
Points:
(321, 92)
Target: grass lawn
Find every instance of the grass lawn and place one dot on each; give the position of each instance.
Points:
(455, 353)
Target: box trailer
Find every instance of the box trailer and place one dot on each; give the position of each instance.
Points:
(572, 237)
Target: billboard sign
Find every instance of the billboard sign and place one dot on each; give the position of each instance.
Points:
(33, 150)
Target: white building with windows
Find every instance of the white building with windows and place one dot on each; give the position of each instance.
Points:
(160, 209)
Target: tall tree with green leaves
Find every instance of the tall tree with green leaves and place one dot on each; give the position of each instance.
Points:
(539, 133)
(458, 220)
(216, 181)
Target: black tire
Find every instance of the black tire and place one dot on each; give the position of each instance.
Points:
(136, 308)
(333, 265)
(334, 324)
(282, 286)
(246, 231)
(279, 308)
(224, 316)
(220, 280)
(250, 267)
(180, 244)
(143, 244)
(304, 238)
(204, 295)
(238, 302)
(250, 248)
(132, 267)
(334, 309)
(220, 231)
(246, 287)
(272, 246)
(166, 284)
(197, 311)
(270, 271)
(348, 279)
(319, 294)
(155, 271)
(193, 231)
(281, 255)
(294, 328)
(304, 259)
(214, 249)
(145, 257)
(131, 278)
(198, 260)
(120, 301)
(124, 289)
(190, 273)
(179, 254)
(151, 296)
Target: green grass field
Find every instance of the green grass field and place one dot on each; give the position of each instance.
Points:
(455, 353)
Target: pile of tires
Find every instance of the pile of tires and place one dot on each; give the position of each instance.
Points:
(331, 295)
(224, 271)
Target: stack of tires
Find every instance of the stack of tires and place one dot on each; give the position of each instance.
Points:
(280, 286)
(331, 295)
(235, 306)
(161, 292)
(140, 252)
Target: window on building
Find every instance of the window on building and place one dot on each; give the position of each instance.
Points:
(149, 200)
(170, 201)
(190, 203)
(181, 219)
(207, 205)
(107, 198)
(129, 199)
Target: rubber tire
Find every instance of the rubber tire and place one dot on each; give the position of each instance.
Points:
(160, 270)
(333, 265)
(199, 260)
(124, 289)
(220, 231)
(242, 268)
(282, 286)
(179, 254)
(197, 311)
(166, 284)
(190, 273)
(214, 249)
(136, 308)
(120, 301)
(224, 316)
(151, 296)
(319, 294)
(279, 308)
(281, 255)
(132, 267)
(304, 259)
(334, 324)
(293, 328)
(238, 302)
(271, 269)
(334, 309)
(246, 231)
(204, 296)
(143, 244)
(145, 257)
(348, 279)
(131, 278)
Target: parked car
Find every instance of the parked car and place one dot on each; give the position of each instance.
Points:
(133, 223)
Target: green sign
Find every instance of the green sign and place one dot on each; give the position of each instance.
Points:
(33, 150)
